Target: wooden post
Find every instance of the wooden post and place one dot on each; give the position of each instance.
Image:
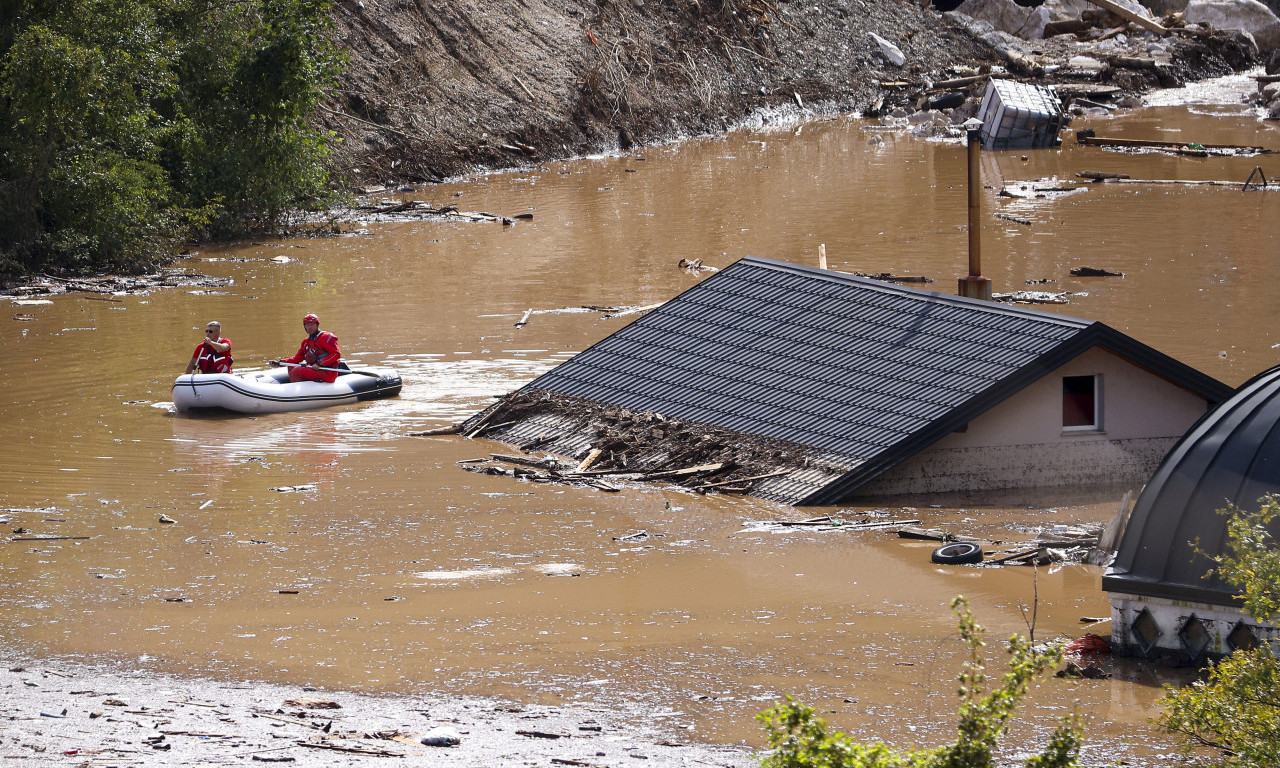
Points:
(822, 256)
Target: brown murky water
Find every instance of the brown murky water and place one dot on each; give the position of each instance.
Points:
(400, 571)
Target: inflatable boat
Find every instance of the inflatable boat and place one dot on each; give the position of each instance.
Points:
(271, 391)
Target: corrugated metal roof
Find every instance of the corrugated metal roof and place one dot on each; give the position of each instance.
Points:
(866, 370)
(1230, 455)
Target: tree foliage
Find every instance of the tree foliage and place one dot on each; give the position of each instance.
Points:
(129, 125)
(1235, 709)
(799, 738)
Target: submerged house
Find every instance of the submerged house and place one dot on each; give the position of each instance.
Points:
(817, 387)
(1163, 598)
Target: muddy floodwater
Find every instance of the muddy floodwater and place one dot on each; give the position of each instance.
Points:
(329, 548)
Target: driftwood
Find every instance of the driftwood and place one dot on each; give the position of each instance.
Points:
(1101, 175)
(524, 319)
(682, 472)
(931, 534)
(634, 310)
(350, 750)
(1087, 138)
(1184, 182)
(957, 82)
(452, 429)
(1066, 27)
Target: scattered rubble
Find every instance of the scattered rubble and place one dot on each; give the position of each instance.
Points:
(97, 716)
(109, 287)
(1059, 544)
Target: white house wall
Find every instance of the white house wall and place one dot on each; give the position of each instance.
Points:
(1170, 618)
(1020, 442)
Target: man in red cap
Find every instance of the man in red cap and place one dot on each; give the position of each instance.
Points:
(318, 351)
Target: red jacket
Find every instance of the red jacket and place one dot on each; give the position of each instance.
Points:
(321, 349)
(209, 360)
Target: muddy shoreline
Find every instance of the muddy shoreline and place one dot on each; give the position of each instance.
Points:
(68, 714)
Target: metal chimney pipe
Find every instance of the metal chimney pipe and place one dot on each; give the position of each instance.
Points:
(974, 286)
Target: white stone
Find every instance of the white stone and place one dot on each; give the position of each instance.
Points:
(889, 50)
(1061, 10)
(1246, 15)
(1007, 16)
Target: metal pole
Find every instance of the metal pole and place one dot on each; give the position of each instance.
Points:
(974, 140)
(975, 286)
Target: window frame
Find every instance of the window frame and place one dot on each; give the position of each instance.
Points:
(1096, 425)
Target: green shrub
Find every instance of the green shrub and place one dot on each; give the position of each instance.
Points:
(1235, 709)
(798, 738)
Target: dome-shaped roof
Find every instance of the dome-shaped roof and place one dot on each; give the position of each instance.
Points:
(1230, 456)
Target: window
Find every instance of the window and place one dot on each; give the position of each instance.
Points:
(1080, 401)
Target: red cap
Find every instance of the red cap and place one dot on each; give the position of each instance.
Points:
(310, 319)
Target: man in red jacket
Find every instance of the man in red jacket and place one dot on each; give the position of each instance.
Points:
(213, 354)
(319, 350)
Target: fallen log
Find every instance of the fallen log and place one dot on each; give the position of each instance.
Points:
(1132, 62)
(1130, 16)
(943, 85)
(1066, 27)
(1101, 175)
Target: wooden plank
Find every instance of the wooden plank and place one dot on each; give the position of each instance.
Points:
(527, 461)
(1020, 555)
(738, 480)
(588, 461)
(1129, 15)
(684, 472)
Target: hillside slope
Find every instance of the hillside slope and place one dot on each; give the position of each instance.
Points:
(437, 89)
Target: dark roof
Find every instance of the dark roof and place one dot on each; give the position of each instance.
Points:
(1231, 455)
(862, 369)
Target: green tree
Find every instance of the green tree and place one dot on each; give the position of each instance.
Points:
(1235, 709)
(798, 738)
(127, 126)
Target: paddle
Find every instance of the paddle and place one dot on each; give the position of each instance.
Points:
(335, 370)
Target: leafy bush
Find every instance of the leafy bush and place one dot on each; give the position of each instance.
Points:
(127, 126)
(799, 738)
(1235, 710)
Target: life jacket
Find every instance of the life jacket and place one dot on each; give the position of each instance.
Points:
(322, 350)
(209, 360)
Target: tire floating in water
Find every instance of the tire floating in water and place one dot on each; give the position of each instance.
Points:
(958, 553)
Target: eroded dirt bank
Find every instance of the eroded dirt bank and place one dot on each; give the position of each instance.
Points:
(434, 90)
